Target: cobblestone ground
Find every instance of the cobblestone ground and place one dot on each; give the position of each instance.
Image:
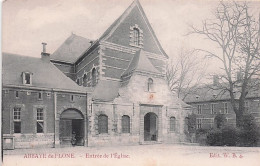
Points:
(143, 155)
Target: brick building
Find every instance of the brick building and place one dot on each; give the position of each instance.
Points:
(111, 91)
(207, 101)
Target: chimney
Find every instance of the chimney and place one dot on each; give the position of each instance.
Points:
(215, 80)
(45, 56)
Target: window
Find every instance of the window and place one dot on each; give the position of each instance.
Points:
(199, 109)
(94, 77)
(17, 119)
(225, 108)
(27, 78)
(40, 95)
(125, 124)
(213, 108)
(77, 81)
(17, 94)
(102, 124)
(40, 120)
(150, 85)
(72, 98)
(199, 122)
(85, 80)
(136, 37)
(172, 124)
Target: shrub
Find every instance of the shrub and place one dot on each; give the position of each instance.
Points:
(226, 136)
(220, 120)
(229, 136)
(214, 137)
(249, 131)
(201, 136)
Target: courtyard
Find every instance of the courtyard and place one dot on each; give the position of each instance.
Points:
(143, 155)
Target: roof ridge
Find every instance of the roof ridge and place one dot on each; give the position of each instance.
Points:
(20, 55)
(109, 29)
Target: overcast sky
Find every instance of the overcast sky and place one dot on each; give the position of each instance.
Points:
(28, 23)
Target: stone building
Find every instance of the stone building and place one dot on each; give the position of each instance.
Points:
(111, 91)
(208, 101)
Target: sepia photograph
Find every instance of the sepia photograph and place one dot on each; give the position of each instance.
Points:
(130, 82)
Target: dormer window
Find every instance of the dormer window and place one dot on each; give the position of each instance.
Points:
(150, 85)
(136, 36)
(27, 78)
(77, 81)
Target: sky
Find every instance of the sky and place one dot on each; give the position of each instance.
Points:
(28, 23)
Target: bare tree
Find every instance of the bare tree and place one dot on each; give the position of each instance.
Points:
(185, 74)
(236, 32)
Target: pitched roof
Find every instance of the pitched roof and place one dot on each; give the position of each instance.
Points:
(73, 47)
(44, 74)
(211, 93)
(117, 22)
(140, 62)
(106, 90)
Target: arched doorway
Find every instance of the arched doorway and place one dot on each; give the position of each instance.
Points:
(150, 127)
(72, 125)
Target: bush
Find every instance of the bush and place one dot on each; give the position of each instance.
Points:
(214, 137)
(226, 136)
(220, 120)
(247, 135)
(229, 136)
(249, 131)
(201, 136)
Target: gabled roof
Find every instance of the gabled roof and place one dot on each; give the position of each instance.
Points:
(106, 90)
(73, 47)
(44, 74)
(117, 22)
(141, 63)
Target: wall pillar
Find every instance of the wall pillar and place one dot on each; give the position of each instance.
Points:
(86, 131)
(57, 133)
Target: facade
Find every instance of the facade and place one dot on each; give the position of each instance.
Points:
(207, 103)
(111, 91)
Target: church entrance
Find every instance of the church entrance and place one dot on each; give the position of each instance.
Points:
(150, 127)
(72, 128)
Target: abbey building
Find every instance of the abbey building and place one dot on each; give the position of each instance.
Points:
(111, 91)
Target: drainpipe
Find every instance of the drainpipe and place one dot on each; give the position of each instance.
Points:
(55, 114)
(87, 117)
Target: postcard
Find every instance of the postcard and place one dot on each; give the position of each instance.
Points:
(132, 82)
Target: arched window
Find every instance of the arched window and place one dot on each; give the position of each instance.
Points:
(85, 80)
(94, 77)
(136, 37)
(150, 85)
(172, 124)
(102, 124)
(125, 124)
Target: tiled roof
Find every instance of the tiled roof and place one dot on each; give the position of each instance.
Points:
(106, 90)
(73, 47)
(140, 63)
(44, 74)
(122, 17)
(212, 93)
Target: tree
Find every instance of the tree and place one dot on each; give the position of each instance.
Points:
(185, 75)
(236, 32)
